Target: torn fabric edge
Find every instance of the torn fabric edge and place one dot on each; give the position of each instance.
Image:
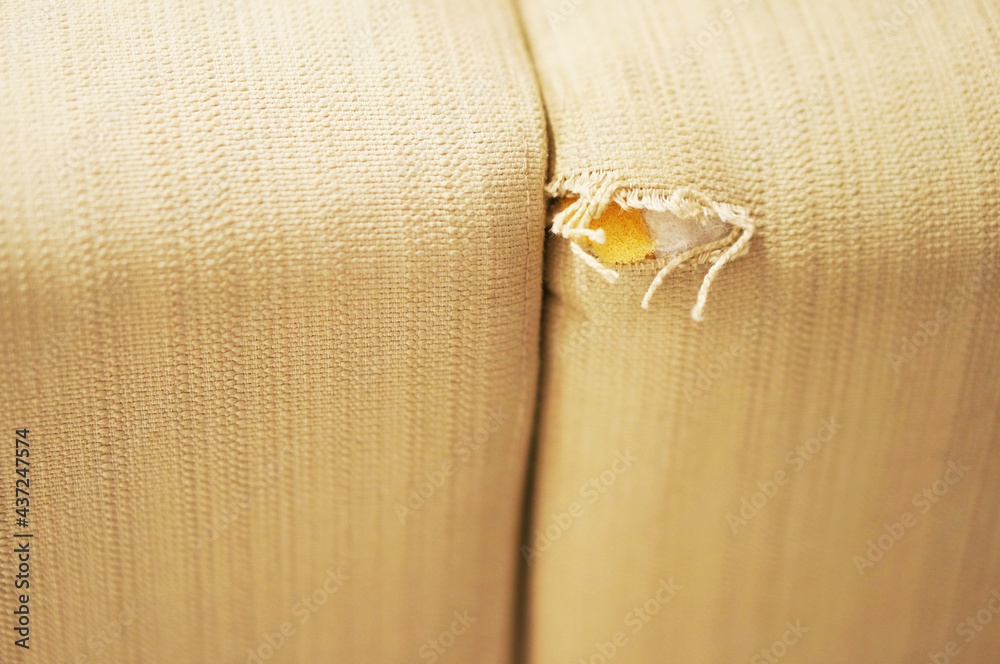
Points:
(596, 190)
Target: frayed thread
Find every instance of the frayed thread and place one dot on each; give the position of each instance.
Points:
(595, 191)
(610, 275)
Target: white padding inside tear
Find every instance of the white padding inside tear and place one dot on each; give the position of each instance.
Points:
(674, 235)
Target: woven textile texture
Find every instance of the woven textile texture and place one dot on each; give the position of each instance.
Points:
(271, 281)
(815, 468)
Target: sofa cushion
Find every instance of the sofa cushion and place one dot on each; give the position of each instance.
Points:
(271, 278)
(847, 359)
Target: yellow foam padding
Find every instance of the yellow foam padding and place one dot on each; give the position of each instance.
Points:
(626, 236)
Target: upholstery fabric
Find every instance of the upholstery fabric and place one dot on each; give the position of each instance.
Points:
(813, 470)
(271, 281)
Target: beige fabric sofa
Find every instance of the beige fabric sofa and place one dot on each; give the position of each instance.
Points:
(298, 374)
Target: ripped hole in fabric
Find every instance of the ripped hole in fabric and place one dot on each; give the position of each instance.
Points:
(609, 225)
